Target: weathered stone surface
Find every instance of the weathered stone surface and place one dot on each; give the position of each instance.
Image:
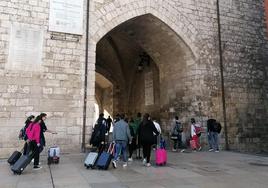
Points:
(181, 38)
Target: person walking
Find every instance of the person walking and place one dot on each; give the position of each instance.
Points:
(137, 122)
(176, 130)
(213, 129)
(33, 133)
(44, 129)
(146, 137)
(23, 134)
(195, 133)
(158, 128)
(109, 122)
(133, 132)
(99, 130)
(121, 137)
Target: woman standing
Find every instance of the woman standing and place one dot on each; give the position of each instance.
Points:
(146, 137)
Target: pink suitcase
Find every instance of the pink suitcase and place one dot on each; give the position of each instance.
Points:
(160, 156)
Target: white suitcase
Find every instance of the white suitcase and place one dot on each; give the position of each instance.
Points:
(53, 155)
(91, 159)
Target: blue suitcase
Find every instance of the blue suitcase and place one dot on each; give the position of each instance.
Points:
(105, 158)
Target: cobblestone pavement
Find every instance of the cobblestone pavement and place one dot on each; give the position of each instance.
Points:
(184, 170)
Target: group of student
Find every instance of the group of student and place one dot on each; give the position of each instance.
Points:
(132, 134)
(135, 133)
(33, 135)
(213, 129)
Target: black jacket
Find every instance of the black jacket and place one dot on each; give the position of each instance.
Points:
(210, 125)
(145, 132)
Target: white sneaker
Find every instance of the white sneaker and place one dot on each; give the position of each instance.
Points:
(130, 159)
(200, 148)
(183, 150)
(217, 151)
(174, 150)
(210, 150)
(148, 165)
(124, 165)
(114, 164)
(144, 161)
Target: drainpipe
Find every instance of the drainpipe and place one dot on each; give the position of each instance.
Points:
(222, 78)
(83, 148)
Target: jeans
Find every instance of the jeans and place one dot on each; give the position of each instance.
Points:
(121, 147)
(213, 140)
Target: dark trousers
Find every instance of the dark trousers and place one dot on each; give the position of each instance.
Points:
(177, 143)
(36, 152)
(132, 147)
(147, 151)
(25, 148)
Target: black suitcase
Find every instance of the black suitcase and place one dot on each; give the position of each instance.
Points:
(21, 164)
(14, 157)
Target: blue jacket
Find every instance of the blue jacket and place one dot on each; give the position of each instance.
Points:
(121, 131)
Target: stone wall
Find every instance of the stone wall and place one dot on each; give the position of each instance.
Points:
(57, 88)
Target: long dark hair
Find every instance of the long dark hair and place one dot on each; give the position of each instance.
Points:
(38, 118)
(29, 119)
(145, 119)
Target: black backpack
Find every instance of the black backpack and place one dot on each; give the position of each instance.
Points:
(217, 127)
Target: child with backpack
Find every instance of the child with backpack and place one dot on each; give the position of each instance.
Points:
(33, 133)
(22, 134)
(196, 131)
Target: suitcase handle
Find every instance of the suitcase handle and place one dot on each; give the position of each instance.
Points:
(111, 148)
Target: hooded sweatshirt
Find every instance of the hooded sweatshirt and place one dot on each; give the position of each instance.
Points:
(33, 132)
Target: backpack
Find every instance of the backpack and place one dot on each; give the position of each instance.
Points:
(217, 127)
(28, 131)
(22, 133)
(198, 130)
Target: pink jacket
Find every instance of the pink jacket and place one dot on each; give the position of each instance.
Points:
(33, 132)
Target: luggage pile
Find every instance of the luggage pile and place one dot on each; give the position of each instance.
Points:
(100, 159)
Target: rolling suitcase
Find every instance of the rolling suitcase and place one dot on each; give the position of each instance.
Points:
(92, 157)
(105, 158)
(161, 153)
(21, 164)
(160, 156)
(53, 155)
(14, 157)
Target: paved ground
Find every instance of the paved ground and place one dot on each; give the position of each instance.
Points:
(184, 170)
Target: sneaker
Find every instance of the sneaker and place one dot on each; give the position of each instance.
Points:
(130, 159)
(124, 165)
(114, 164)
(183, 150)
(144, 161)
(217, 151)
(148, 165)
(200, 148)
(174, 150)
(37, 167)
(210, 150)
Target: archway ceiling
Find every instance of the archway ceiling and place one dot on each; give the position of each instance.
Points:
(102, 82)
(143, 33)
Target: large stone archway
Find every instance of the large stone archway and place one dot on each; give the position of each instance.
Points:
(172, 62)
